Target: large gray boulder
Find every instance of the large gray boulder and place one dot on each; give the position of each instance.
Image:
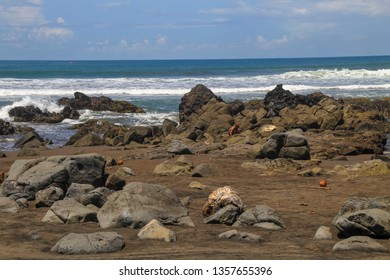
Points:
(93, 243)
(29, 176)
(364, 216)
(139, 203)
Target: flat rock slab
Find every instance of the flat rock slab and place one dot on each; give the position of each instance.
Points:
(8, 205)
(69, 211)
(93, 243)
(156, 231)
(359, 243)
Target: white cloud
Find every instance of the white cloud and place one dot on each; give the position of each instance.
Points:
(115, 4)
(266, 43)
(24, 22)
(36, 2)
(161, 40)
(47, 33)
(371, 8)
(21, 16)
(60, 20)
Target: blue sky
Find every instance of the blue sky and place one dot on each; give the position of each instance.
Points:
(179, 29)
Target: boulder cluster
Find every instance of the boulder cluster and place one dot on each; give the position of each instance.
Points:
(282, 125)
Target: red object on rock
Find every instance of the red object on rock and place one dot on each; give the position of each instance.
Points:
(233, 130)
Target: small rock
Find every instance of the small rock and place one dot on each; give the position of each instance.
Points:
(228, 234)
(185, 201)
(22, 202)
(323, 233)
(179, 148)
(181, 166)
(226, 215)
(34, 235)
(197, 185)
(96, 197)
(77, 191)
(204, 170)
(267, 225)
(117, 180)
(8, 205)
(241, 236)
(155, 230)
(46, 197)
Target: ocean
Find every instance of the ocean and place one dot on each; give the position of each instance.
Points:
(158, 85)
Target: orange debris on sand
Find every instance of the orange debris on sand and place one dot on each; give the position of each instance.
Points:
(323, 183)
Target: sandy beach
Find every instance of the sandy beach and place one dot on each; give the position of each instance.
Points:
(300, 201)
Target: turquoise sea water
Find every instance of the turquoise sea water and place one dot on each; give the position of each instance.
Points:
(157, 85)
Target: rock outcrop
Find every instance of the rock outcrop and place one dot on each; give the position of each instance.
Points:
(6, 128)
(36, 115)
(101, 103)
(194, 100)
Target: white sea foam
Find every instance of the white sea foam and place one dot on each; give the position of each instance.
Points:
(40, 102)
(296, 80)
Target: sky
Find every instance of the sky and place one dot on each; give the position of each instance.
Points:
(201, 29)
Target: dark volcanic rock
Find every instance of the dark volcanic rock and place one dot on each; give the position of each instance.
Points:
(101, 103)
(6, 128)
(279, 98)
(30, 140)
(194, 100)
(34, 114)
(290, 144)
